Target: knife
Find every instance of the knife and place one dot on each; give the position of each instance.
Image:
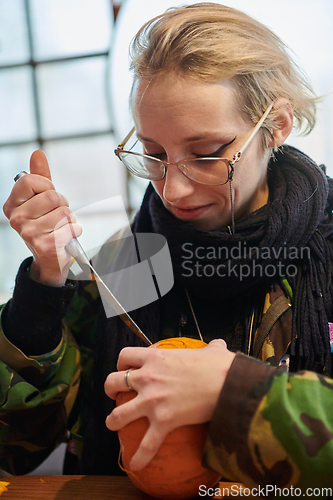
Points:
(76, 251)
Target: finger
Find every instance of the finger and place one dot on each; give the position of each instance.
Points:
(125, 414)
(39, 164)
(43, 210)
(116, 382)
(148, 448)
(31, 184)
(66, 233)
(51, 225)
(60, 217)
(132, 357)
(50, 222)
(50, 244)
(24, 189)
(46, 202)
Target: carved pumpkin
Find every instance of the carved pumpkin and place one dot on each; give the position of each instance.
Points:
(176, 471)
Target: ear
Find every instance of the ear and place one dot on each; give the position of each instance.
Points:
(283, 122)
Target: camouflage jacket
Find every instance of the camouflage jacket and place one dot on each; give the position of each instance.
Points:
(269, 427)
(272, 429)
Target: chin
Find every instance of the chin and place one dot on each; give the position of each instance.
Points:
(210, 225)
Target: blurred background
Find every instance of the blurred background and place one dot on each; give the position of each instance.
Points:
(64, 86)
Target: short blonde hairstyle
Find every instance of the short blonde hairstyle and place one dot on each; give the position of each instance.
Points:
(212, 42)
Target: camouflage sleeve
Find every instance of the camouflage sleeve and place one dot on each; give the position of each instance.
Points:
(37, 393)
(33, 420)
(272, 428)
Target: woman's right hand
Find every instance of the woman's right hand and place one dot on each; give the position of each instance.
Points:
(42, 217)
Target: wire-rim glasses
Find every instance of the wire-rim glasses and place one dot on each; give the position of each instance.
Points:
(213, 171)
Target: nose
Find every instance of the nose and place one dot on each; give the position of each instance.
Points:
(176, 184)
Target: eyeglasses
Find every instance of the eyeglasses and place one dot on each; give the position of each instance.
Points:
(210, 171)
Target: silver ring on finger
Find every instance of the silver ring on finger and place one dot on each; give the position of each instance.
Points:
(19, 175)
(127, 379)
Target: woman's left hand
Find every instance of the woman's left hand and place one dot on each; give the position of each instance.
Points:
(175, 387)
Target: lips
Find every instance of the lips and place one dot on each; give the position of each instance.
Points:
(189, 213)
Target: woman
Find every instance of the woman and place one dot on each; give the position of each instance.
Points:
(248, 223)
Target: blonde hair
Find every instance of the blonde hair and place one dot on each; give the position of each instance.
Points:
(211, 42)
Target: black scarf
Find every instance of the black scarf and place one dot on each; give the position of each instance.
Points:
(298, 216)
(293, 232)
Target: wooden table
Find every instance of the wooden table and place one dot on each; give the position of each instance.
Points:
(76, 488)
(70, 488)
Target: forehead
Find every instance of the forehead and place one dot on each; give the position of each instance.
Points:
(184, 103)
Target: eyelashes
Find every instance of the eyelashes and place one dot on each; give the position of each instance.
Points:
(161, 156)
(219, 150)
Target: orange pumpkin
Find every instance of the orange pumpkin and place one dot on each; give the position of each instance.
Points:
(176, 471)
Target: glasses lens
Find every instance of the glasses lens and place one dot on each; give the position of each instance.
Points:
(211, 171)
(143, 166)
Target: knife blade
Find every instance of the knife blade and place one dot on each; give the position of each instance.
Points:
(76, 251)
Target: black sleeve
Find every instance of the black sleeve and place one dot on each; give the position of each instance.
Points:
(31, 320)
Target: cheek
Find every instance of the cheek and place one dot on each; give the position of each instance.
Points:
(159, 186)
(219, 192)
(200, 192)
(250, 187)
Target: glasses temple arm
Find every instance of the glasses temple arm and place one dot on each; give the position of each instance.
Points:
(255, 130)
(127, 138)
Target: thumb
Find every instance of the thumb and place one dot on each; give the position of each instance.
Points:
(218, 343)
(39, 164)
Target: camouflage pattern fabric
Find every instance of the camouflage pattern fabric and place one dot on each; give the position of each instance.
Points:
(37, 394)
(261, 408)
